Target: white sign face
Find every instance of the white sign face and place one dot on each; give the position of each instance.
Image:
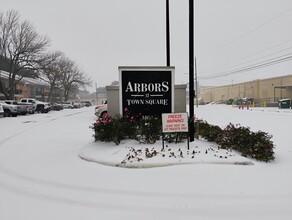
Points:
(175, 122)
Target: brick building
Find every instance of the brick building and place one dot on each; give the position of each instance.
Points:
(29, 87)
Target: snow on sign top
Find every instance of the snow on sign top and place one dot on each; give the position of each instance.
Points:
(175, 122)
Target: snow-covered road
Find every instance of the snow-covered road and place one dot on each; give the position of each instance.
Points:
(42, 177)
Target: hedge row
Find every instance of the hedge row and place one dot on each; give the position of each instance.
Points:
(257, 145)
(120, 127)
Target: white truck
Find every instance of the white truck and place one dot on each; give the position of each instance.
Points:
(38, 106)
(21, 109)
(9, 110)
(100, 110)
(1, 109)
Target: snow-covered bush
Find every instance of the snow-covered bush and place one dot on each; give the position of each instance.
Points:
(176, 137)
(210, 132)
(114, 128)
(117, 128)
(149, 129)
(103, 128)
(257, 145)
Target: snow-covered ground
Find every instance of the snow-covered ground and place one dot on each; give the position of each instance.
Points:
(43, 177)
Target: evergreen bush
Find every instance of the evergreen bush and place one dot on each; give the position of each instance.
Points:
(176, 137)
(117, 128)
(210, 132)
(148, 129)
(257, 145)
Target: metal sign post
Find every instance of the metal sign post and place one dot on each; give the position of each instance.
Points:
(191, 68)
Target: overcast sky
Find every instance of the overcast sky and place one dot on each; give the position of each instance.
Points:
(231, 35)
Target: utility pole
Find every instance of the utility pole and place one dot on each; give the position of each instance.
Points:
(196, 80)
(167, 35)
(191, 70)
(96, 93)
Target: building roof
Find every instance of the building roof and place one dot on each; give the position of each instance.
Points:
(24, 80)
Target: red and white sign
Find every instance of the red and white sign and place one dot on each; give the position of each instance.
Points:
(175, 122)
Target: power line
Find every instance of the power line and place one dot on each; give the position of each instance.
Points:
(229, 64)
(283, 58)
(248, 32)
(259, 58)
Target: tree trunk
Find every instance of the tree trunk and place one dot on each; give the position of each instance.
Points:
(51, 92)
(66, 95)
(11, 89)
(4, 90)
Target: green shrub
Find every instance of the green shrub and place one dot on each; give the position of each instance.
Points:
(117, 128)
(114, 129)
(209, 132)
(103, 129)
(234, 137)
(149, 129)
(262, 148)
(176, 137)
(145, 129)
(257, 145)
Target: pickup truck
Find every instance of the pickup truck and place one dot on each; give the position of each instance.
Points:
(38, 106)
(9, 110)
(1, 109)
(21, 109)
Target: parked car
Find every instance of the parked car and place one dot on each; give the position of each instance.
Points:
(56, 106)
(21, 109)
(68, 104)
(1, 110)
(86, 103)
(100, 110)
(9, 110)
(39, 106)
(77, 105)
(29, 106)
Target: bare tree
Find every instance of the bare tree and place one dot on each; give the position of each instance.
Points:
(7, 24)
(72, 78)
(51, 71)
(21, 47)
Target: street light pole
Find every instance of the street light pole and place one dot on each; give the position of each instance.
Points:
(191, 70)
(96, 93)
(167, 35)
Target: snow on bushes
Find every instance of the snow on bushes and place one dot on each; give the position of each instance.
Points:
(257, 145)
(148, 130)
